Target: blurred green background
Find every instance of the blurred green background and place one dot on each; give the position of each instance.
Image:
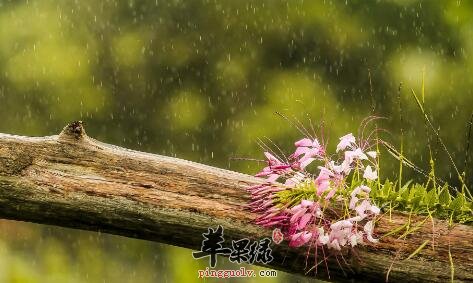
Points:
(201, 80)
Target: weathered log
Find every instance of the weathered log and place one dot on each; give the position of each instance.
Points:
(72, 180)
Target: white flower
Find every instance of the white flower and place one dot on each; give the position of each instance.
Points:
(372, 154)
(356, 238)
(350, 156)
(354, 199)
(345, 142)
(375, 209)
(323, 237)
(369, 231)
(334, 245)
(370, 174)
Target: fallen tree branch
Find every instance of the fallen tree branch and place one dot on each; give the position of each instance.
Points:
(72, 180)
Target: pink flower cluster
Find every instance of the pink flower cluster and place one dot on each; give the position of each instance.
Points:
(335, 215)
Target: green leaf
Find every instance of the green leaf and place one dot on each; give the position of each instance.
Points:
(404, 191)
(431, 198)
(444, 197)
(416, 194)
(457, 203)
(387, 188)
(406, 185)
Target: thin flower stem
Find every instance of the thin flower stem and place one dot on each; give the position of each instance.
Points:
(464, 187)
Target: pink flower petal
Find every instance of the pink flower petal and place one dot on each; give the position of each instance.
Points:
(307, 203)
(270, 157)
(345, 142)
(300, 239)
(272, 178)
(331, 194)
(353, 202)
(361, 209)
(355, 219)
(305, 142)
(322, 187)
(299, 151)
(305, 162)
(342, 224)
(296, 208)
(295, 217)
(306, 237)
(304, 220)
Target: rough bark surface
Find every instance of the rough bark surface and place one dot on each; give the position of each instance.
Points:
(72, 180)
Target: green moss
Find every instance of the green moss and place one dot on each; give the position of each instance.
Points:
(416, 198)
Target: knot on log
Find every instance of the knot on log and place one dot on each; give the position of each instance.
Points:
(74, 130)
